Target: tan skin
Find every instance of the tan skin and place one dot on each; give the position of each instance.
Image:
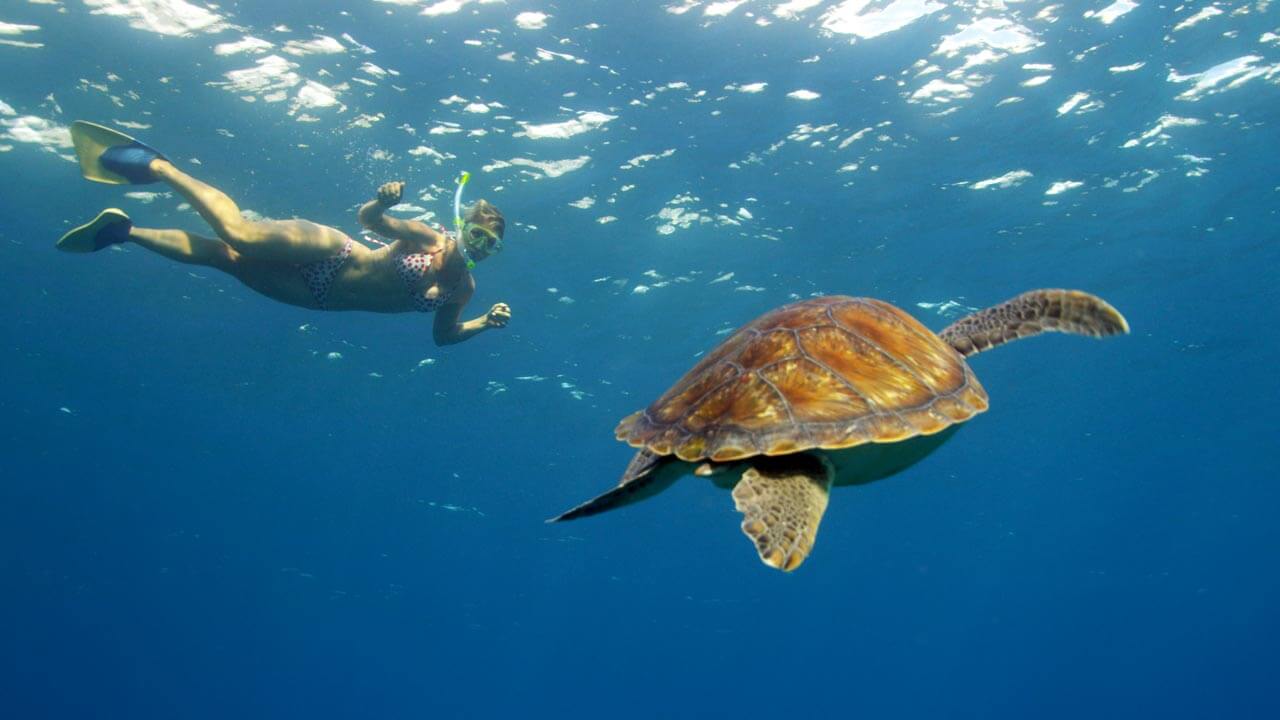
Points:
(265, 257)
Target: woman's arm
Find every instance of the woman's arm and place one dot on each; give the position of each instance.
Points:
(373, 217)
(449, 331)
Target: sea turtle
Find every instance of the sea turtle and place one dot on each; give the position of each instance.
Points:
(830, 390)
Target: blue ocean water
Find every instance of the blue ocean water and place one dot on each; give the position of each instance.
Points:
(216, 505)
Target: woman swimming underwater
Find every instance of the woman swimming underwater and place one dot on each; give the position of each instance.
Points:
(297, 261)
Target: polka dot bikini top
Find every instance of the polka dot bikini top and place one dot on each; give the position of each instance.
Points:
(412, 269)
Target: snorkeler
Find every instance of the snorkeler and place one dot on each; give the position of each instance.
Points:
(297, 261)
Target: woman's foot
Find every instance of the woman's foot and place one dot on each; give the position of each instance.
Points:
(110, 156)
(132, 162)
(110, 227)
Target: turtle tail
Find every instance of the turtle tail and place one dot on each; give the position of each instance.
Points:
(640, 481)
(1032, 313)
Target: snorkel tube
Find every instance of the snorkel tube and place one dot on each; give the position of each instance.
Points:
(458, 222)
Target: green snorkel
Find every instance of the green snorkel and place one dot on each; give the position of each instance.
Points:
(458, 223)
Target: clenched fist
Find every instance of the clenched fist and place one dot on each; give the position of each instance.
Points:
(498, 316)
(389, 194)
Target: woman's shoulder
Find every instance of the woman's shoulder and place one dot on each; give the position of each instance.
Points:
(464, 285)
(364, 251)
(416, 245)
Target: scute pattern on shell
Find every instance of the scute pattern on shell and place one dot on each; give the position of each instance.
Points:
(829, 372)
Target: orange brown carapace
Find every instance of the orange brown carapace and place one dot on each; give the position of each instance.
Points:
(830, 372)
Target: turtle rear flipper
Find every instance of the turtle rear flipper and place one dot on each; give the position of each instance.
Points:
(782, 500)
(641, 480)
(1031, 313)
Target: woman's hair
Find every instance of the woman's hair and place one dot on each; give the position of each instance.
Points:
(484, 214)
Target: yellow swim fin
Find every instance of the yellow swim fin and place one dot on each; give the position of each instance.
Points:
(110, 227)
(91, 140)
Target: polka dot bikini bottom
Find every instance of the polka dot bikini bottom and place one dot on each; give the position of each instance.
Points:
(320, 275)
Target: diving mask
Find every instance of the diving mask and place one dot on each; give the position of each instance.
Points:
(480, 239)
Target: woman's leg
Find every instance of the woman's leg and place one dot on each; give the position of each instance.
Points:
(287, 241)
(187, 248)
(281, 282)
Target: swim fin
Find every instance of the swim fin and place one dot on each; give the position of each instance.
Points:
(111, 226)
(110, 156)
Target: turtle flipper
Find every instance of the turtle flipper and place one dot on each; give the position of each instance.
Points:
(1031, 313)
(640, 481)
(782, 501)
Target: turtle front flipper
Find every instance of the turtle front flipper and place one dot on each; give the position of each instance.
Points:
(641, 480)
(1031, 313)
(782, 500)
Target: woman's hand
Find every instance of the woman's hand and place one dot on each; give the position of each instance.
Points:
(498, 316)
(389, 194)
(446, 329)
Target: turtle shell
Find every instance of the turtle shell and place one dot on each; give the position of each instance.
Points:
(829, 372)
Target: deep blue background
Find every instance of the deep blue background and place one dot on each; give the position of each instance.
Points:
(223, 521)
